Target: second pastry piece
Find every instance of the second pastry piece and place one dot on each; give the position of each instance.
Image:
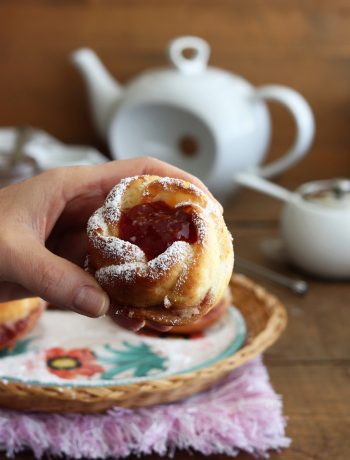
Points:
(160, 248)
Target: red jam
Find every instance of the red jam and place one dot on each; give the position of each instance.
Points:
(153, 227)
(9, 332)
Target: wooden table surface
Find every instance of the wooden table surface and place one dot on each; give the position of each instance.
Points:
(304, 44)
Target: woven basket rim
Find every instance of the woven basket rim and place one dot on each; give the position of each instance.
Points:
(274, 327)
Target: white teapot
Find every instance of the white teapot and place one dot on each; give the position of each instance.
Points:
(205, 120)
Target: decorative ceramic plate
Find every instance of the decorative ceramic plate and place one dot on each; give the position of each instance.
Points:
(67, 349)
(74, 364)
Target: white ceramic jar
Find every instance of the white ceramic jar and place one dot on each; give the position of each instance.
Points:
(315, 224)
(316, 231)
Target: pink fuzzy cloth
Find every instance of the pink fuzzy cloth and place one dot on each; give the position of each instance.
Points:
(242, 413)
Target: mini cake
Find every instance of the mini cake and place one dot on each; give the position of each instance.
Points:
(17, 318)
(161, 250)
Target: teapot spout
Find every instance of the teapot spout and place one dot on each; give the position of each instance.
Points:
(103, 90)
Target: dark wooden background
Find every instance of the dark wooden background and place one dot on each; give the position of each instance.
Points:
(301, 43)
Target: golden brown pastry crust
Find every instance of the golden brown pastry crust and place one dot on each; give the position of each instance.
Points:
(17, 319)
(184, 282)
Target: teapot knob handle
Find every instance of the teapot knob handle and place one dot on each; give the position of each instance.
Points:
(200, 54)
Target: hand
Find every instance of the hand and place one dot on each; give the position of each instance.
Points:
(137, 324)
(43, 232)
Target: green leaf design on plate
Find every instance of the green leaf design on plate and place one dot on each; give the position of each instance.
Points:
(138, 358)
(20, 347)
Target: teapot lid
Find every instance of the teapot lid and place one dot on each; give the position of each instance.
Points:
(198, 60)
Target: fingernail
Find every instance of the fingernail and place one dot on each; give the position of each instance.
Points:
(158, 327)
(138, 326)
(91, 301)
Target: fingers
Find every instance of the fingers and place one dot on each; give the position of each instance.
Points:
(70, 244)
(136, 325)
(157, 327)
(128, 323)
(98, 180)
(56, 280)
(149, 165)
(39, 203)
(12, 291)
(160, 168)
(81, 190)
(78, 211)
(85, 188)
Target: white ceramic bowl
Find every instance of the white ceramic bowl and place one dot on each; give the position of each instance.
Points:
(316, 235)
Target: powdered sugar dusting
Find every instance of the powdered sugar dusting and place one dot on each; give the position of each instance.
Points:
(130, 261)
(201, 227)
(168, 182)
(155, 269)
(127, 272)
(181, 280)
(189, 312)
(177, 252)
(167, 303)
(111, 246)
(213, 207)
(112, 206)
(96, 222)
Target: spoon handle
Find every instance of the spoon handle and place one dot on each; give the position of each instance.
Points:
(297, 286)
(262, 185)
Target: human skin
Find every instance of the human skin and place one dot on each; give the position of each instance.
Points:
(43, 232)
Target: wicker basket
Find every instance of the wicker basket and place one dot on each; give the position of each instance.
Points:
(265, 317)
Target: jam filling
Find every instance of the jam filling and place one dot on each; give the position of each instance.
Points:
(153, 227)
(9, 332)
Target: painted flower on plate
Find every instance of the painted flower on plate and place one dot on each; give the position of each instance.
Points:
(68, 364)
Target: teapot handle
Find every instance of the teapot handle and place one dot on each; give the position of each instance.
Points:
(305, 125)
(198, 62)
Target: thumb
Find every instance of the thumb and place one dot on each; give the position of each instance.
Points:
(57, 280)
